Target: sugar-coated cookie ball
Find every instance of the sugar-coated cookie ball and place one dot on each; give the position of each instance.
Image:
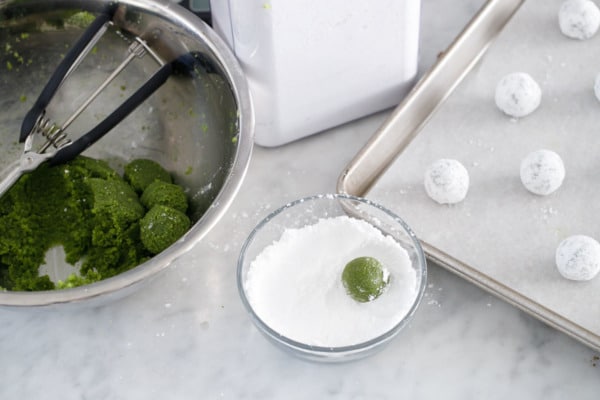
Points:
(446, 181)
(542, 172)
(578, 258)
(518, 94)
(579, 19)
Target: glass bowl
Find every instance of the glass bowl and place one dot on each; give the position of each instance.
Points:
(301, 216)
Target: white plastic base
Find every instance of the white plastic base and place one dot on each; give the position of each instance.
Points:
(314, 64)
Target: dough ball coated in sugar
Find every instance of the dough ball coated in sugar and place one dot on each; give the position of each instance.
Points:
(579, 19)
(518, 94)
(578, 258)
(542, 172)
(446, 181)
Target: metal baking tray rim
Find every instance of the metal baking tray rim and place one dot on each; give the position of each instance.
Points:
(409, 117)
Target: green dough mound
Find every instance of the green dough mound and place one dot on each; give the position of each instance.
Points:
(116, 200)
(95, 168)
(166, 194)
(364, 279)
(161, 227)
(115, 241)
(142, 172)
(84, 206)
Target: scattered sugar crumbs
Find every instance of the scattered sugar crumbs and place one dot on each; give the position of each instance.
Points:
(548, 212)
(431, 301)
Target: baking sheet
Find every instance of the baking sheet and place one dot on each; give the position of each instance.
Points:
(502, 237)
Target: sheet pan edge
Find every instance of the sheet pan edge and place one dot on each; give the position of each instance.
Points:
(405, 122)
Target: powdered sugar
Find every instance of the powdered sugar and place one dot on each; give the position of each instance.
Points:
(597, 87)
(294, 285)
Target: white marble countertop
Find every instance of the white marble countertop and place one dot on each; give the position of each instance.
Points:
(186, 335)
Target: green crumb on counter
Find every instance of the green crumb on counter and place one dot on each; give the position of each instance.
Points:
(142, 172)
(365, 279)
(90, 210)
(166, 194)
(161, 227)
(22, 98)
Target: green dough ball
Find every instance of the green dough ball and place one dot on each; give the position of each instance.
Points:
(95, 168)
(116, 198)
(86, 207)
(116, 210)
(167, 194)
(161, 227)
(365, 279)
(142, 172)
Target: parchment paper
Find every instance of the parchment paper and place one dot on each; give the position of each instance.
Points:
(501, 229)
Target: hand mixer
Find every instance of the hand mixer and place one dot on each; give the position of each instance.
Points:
(36, 124)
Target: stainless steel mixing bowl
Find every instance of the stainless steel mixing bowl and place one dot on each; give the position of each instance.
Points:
(199, 127)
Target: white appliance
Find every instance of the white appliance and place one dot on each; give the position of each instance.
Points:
(316, 64)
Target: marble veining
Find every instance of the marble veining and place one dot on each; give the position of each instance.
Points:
(185, 335)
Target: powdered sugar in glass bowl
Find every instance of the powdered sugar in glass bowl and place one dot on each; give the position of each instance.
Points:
(289, 276)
